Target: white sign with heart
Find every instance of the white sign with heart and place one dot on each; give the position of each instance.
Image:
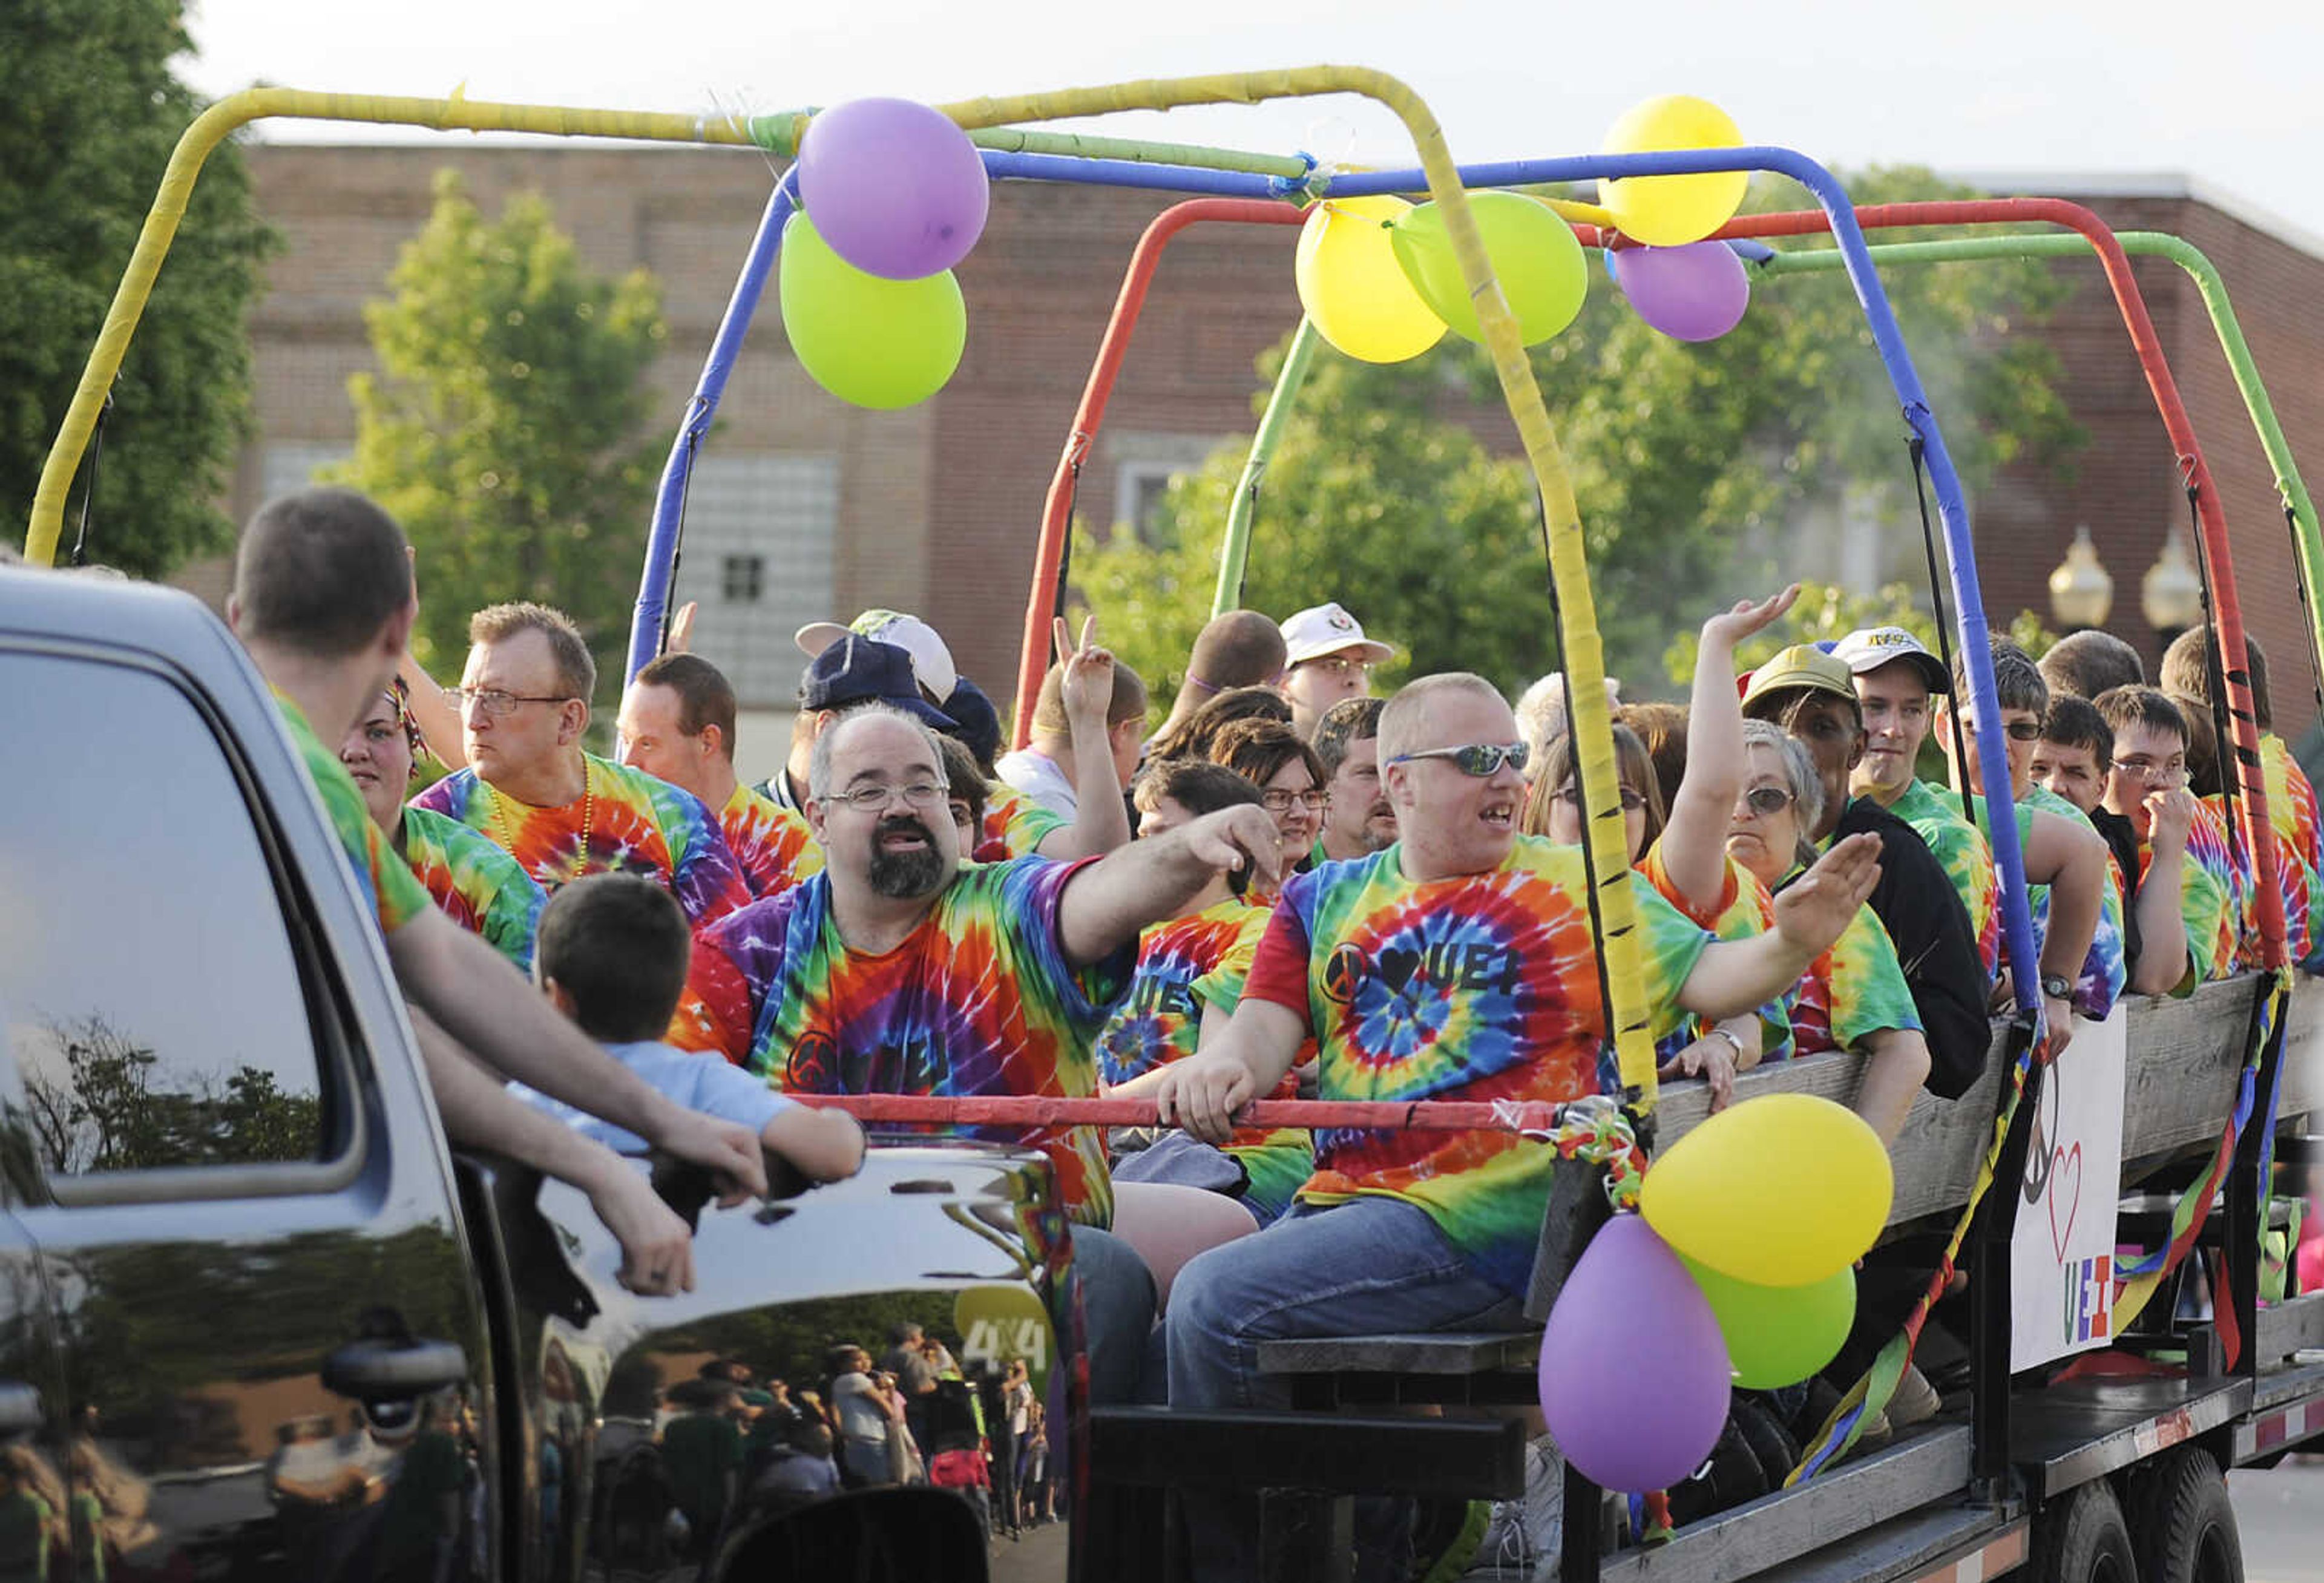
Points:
(2061, 1256)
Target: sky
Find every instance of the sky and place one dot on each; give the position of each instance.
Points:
(2222, 92)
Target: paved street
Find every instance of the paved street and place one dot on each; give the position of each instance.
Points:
(2281, 1514)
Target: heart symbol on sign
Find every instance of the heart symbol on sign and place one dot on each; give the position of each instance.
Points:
(2066, 1189)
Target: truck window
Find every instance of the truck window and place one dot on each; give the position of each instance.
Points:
(149, 995)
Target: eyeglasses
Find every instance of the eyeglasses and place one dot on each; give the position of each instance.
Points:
(1276, 800)
(1339, 665)
(866, 799)
(2016, 731)
(494, 704)
(2141, 769)
(1764, 801)
(1633, 800)
(1477, 758)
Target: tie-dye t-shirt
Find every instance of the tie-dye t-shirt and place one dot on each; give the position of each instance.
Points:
(636, 825)
(774, 847)
(2103, 968)
(1852, 991)
(1185, 965)
(1744, 909)
(485, 890)
(1479, 987)
(2292, 809)
(1936, 817)
(2243, 879)
(979, 1000)
(2209, 902)
(389, 888)
(1015, 823)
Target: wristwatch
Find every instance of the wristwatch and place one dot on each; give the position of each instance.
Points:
(2056, 988)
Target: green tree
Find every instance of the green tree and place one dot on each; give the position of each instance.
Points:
(502, 429)
(93, 111)
(1689, 461)
(1825, 611)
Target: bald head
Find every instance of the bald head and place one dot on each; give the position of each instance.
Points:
(1239, 649)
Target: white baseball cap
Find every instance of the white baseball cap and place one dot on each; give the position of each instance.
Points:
(1327, 629)
(932, 665)
(1868, 648)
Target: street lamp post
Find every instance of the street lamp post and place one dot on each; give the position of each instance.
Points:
(2170, 594)
(2081, 592)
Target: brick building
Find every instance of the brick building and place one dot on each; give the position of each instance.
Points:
(805, 509)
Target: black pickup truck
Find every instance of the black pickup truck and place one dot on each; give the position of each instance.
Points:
(257, 1322)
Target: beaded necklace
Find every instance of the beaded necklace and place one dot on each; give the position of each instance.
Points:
(581, 853)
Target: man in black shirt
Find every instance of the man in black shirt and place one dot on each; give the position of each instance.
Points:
(1812, 696)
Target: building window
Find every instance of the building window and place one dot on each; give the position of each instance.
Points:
(758, 557)
(743, 578)
(1144, 465)
(286, 466)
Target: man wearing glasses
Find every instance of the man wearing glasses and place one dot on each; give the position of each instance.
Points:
(1456, 964)
(2189, 924)
(897, 969)
(560, 811)
(1329, 660)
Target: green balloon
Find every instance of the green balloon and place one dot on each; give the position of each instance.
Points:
(1535, 255)
(1778, 1335)
(872, 342)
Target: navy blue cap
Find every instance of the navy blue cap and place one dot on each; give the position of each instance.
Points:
(979, 727)
(857, 668)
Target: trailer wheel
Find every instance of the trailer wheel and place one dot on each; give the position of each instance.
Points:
(2082, 1539)
(2186, 1526)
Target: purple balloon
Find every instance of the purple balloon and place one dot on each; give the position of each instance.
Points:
(895, 188)
(1634, 1373)
(1692, 293)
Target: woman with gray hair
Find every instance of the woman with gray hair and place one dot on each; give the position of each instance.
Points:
(1854, 996)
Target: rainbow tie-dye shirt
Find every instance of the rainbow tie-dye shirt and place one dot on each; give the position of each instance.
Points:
(2210, 902)
(1185, 965)
(1961, 847)
(486, 891)
(389, 888)
(1852, 991)
(1016, 822)
(774, 847)
(637, 825)
(979, 1000)
(1745, 908)
(2103, 969)
(2292, 809)
(1479, 987)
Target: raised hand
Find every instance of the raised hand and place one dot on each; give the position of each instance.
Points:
(1242, 837)
(1730, 627)
(681, 629)
(1087, 691)
(1812, 913)
(2170, 815)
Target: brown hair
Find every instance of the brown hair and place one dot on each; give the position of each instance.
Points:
(2089, 663)
(1556, 771)
(705, 697)
(1192, 737)
(577, 672)
(1257, 750)
(2141, 706)
(1127, 703)
(320, 572)
(1195, 785)
(2186, 672)
(1663, 728)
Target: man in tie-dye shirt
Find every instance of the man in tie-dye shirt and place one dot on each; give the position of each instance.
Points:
(323, 600)
(559, 811)
(899, 970)
(677, 724)
(2190, 924)
(1457, 964)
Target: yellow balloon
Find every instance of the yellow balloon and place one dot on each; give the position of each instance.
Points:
(1354, 288)
(1780, 1191)
(1670, 211)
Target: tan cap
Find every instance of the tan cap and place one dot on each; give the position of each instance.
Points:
(1801, 665)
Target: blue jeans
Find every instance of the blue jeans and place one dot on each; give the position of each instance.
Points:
(1117, 1308)
(1367, 1267)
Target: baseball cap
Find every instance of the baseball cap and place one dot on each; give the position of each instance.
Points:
(978, 723)
(1801, 667)
(1326, 629)
(931, 659)
(856, 668)
(1870, 647)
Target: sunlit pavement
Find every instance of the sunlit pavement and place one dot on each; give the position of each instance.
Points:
(2281, 1514)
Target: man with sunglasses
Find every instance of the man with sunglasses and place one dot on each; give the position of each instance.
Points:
(899, 970)
(559, 810)
(1456, 964)
(1812, 695)
(2068, 868)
